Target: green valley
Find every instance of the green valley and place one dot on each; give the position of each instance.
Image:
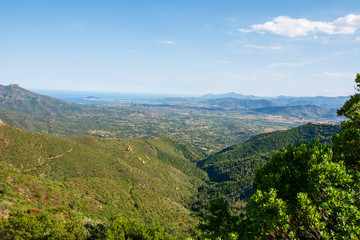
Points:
(208, 125)
(179, 120)
(137, 169)
(231, 171)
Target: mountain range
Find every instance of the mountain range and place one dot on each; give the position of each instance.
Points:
(151, 178)
(208, 125)
(329, 102)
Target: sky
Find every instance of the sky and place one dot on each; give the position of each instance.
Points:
(182, 47)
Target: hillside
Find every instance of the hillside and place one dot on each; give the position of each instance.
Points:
(154, 180)
(301, 111)
(42, 114)
(18, 99)
(231, 170)
(208, 125)
(150, 180)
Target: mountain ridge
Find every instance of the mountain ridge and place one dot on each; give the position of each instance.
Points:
(209, 125)
(231, 170)
(321, 101)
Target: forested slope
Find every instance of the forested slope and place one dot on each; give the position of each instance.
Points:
(150, 180)
(305, 191)
(231, 170)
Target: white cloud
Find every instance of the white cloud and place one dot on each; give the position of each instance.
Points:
(358, 39)
(291, 27)
(167, 42)
(263, 47)
(337, 75)
(243, 30)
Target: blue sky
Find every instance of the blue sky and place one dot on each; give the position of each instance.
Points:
(264, 48)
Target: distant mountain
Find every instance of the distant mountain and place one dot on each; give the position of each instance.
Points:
(150, 180)
(43, 114)
(207, 124)
(18, 99)
(328, 102)
(229, 95)
(232, 170)
(235, 103)
(301, 111)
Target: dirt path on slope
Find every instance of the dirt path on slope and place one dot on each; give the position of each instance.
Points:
(62, 154)
(50, 158)
(132, 198)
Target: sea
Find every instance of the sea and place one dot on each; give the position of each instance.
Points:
(102, 97)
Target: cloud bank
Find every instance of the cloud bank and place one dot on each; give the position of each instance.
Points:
(292, 27)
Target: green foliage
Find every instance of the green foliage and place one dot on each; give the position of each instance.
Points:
(267, 216)
(155, 179)
(351, 107)
(347, 142)
(219, 223)
(122, 228)
(289, 170)
(61, 223)
(314, 196)
(145, 179)
(232, 170)
(309, 191)
(40, 225)
(96, 230)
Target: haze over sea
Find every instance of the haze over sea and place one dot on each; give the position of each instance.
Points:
(103, 97)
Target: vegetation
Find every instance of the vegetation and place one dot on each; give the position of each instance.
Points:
(306, 191)
(232, 170)
(122, 228)
(37, 224)
(61, 223)
(105, 187)
(208, 125)
(219, 222)
(100, 178)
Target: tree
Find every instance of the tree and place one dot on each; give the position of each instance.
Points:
(122, 228)
(39, 225)
(347, 142)
(310, 191)
(219, 223)
(302, 193)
